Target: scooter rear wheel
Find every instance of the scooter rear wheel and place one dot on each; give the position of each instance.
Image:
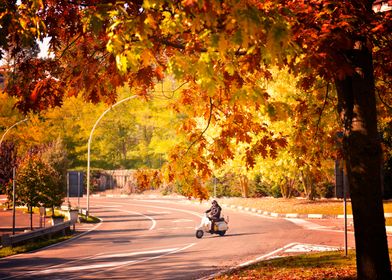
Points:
(199, 233)
(222, 232)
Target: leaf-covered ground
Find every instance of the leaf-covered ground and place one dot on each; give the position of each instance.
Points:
(327, 265)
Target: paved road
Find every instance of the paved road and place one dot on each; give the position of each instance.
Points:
(143, 239)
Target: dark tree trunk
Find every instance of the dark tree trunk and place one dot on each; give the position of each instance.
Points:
(362, 155)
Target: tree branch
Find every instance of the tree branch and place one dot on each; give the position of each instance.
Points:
(205, 129)
(383, 101)
(69, 45)
(322, 110)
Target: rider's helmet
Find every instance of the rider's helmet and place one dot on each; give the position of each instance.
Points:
(214, 202)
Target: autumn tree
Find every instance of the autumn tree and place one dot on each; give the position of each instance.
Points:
(39, 183)
(148, 179)
(55, 155)
(34, 177)
(338, 45)
(221, 50)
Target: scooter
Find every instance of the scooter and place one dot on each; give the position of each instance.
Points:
(220, 227)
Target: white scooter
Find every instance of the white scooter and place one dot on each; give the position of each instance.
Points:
(220, 227)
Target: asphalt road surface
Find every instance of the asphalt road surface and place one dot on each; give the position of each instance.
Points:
(155, 239)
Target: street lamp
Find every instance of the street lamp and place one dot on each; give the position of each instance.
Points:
(13, 174)
(89, 147)
(8, 129)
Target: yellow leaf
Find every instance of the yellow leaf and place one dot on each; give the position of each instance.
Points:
(223, 43)
(150, 21)
(121, 62)
(146, 58)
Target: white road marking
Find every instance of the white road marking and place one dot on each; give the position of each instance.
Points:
(174, 228)
(305, 248)
(197, 214)
(130, 254)
(156, 212)
(108, 264)
(266, 256)
(305, 224)
(310, 225)
(154, 223)
(105, 265)
(142, 260)
(272, 255)
(53, 266)
(182, 221)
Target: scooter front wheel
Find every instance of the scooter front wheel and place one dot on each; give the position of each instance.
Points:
(199, 233)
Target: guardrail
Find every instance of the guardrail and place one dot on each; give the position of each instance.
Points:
(12, 240)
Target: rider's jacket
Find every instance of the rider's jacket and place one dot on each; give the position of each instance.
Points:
(215, 212)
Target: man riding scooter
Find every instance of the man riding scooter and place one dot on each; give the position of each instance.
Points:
(215, 212)
(212, 222)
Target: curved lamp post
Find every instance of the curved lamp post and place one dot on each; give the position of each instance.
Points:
(13, 174)
(89, 146)
(8, 129)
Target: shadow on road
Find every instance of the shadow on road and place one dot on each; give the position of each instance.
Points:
(110, 265)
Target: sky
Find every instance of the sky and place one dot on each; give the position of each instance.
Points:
(43, 46)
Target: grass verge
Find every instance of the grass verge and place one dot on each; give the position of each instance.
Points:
(89, 219)
(326, 265)
(31, 246)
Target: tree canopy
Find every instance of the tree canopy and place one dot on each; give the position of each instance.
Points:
(223, 51)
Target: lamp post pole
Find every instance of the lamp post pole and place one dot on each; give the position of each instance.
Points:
(89, 147)
(13, 199)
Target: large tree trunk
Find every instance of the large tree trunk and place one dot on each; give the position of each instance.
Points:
(307, 183)
(362, 153)
(244, 182)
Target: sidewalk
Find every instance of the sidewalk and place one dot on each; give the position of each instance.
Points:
(22, 221)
